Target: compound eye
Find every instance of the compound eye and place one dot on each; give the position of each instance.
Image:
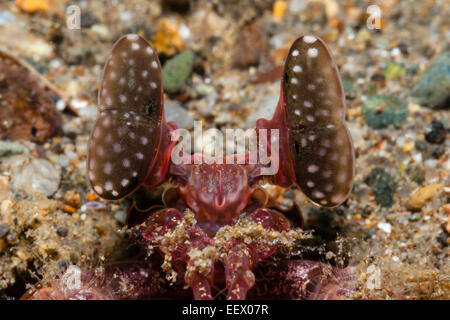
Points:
(320, 142)
(124, 141)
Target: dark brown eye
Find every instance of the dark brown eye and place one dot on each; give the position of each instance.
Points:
(122, 147)
(321, 145)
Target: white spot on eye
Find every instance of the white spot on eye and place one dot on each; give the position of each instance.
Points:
(131, 134)
(139, 89)
(125, 182)
(310, 118)
(310, 184)
(309, 39)
(337, 198)
(137, 118)
(313, 52)
(98, 189)
(307, 104)
(139, 155)
(317, 194)
(115, 193)
(295, 53)
(107, 169)
(91, 175)
(326, 143)
(134, 174)
(91, 164)
(124, 54)
(123, 99)
(342, 177)
(104, 92)
(117, 147)
(294, 96)
(334, 156)
(108, 185)
(312, 138)
(311, 87)
(122, 81)
(303, 142)
(145, 73)
(149, 50)
(108, 101)
(100, 151)
(114, 112)
(331, 126)
(135, 46)
(112, 75)
(126, 163)
(132, 37)
(153, 85)
(108, 138)
(297, 69)
(131, 62)
(324, 202)
(294, 81)
(154, 64)
(327, 174)
(312, 168)
(144, 140)
(329, 187)
(322, 152)
(297, 112)
(126, 115)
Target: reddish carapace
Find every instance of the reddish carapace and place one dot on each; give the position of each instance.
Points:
(131, 145)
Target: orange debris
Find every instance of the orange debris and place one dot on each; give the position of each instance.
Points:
(31, 6)
(279, 8)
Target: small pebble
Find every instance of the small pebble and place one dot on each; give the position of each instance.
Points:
(6, 18)
(421, 145)
(438, 151)
(62, 231)
(4, 188)
(177, 70)
(435, 133)
(102, 31)
(381, 111)
(5, 208)
(175, 112)
(421, 196)
(414, 217)
(416, 174)
(433, 87)
(38, 176)
(121, 216)
(8, 148)
(4, 228)
(386, 227)
(383, 186)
